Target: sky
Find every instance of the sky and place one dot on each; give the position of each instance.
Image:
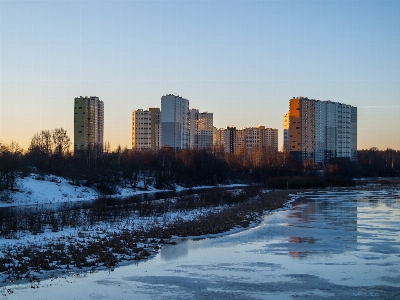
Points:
(241, 60)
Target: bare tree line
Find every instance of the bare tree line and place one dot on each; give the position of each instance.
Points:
(49, 153)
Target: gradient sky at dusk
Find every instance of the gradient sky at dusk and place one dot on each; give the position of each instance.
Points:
(241, 60)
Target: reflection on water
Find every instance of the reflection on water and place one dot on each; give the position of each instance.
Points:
(322, 211)
(174, 252)
(331, 210)
(329, 245)
(300, 240)
(345, 212)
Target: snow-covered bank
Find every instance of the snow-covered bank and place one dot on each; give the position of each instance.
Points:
(102, 245)
(92, 245)
(309, 252)
(46, 189)
(38, 189)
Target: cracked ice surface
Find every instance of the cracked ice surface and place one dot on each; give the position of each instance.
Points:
(328, 245)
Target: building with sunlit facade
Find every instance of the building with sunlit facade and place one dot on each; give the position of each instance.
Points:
(246, 140)
(146, 129)
(286, 132)
(88, 123)
(200, 129)
(321, 130)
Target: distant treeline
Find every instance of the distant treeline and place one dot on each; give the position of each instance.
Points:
(104, 169)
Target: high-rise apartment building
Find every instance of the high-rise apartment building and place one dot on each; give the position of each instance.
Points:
(88, 123)
(155, 127)
(246, 140)
(224, 139)
(230, 142)
(174, 122)
(146, 129)
(353, 132)
(241, 140)
(219, 135)
(320, 130)
(250, 139)
(269, 137)
(200, 129)
(286, 132)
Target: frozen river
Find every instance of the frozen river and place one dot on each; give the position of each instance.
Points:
(329, 245)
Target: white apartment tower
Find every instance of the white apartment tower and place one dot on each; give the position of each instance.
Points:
(320, 130)
(174, 122)
(200, 129)
(88, 123)
(146, 129)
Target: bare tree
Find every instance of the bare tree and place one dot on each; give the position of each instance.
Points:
(42, 142)
(10, 160)
(61, 141)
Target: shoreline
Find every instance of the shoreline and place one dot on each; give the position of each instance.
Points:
(17, 268)
(229, 220)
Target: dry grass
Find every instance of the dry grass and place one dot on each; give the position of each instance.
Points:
(91, 251)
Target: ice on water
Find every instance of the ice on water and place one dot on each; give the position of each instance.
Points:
(327, 245)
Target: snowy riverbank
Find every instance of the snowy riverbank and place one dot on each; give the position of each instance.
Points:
(36, 189)
(51, 251)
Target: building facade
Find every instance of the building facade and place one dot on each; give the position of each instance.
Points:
(219, 138)
(174, 122)
(146, 129)
(200, 129)
(224, 139)
(251, 139)
(353, 132)
(269, 139)
(246, 140)
(155, 128)
(88, 123)
(321, 130)
(286, 132)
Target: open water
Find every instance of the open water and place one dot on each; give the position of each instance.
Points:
(329, 245)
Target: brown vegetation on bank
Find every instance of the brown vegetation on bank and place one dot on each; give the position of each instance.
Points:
(92, 250)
